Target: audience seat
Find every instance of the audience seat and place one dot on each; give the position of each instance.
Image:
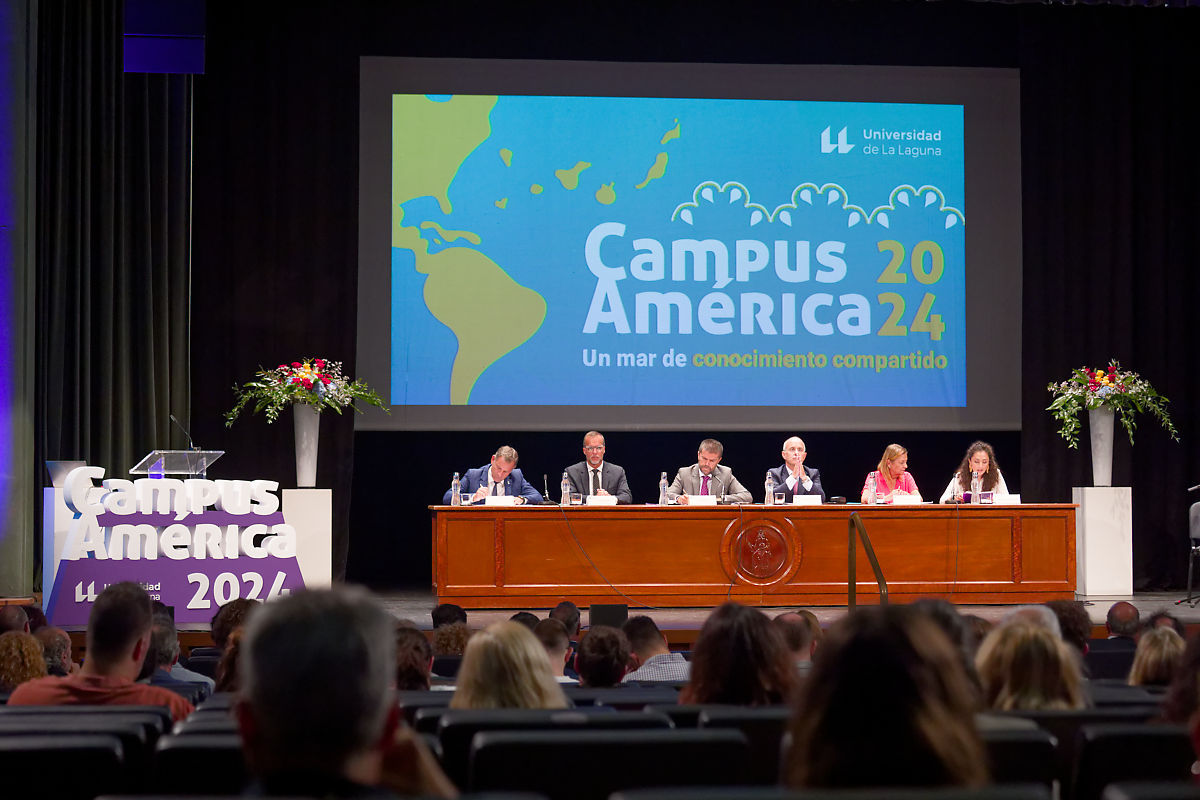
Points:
(1021, 756)
(459, 727)
(623, 698)
(1152, 790)
(205, 665)
(158, 718)
(1101, 662)
(206, 763)
(218, 700)
(410, 701)
(1113, 753)
(132, 730)
(1005, 792)
(764, 728)
(206, 723)
(72, 767)
(214, 652)
(591, 765)
(683, 716)
(446, 666)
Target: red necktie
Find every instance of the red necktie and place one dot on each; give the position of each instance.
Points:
(704, 485)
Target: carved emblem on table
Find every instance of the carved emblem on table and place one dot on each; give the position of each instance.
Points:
(762, 552)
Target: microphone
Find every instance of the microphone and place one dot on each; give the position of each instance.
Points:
(716, 480)
(1194, 488)
(546, 487)
(178, 424)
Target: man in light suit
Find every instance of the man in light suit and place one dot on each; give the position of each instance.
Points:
(500, 478)
(595, 476)
(793, 477)
(706, 476)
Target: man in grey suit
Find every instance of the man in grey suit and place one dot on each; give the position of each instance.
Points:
(595, 476)
(706, 476)
(793, 478)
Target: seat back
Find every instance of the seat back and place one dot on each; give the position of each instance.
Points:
(1122, 752)
(622, 698)
(1152, 790)
(205, 665)
(1005, 792)
(458, 728)
(1021, 756)
(410, 701)
(76, 766)
(210, 764)
(549, 762)
(1108, 663)
(763, 727)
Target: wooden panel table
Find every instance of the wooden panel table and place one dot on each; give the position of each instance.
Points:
(534, 556)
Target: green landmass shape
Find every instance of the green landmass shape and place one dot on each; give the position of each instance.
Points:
(671, 134)
(489, 313)
(506, 156)
(536, 188)
(502, 202)
(656, 171)
(606, 194)
(569, 178)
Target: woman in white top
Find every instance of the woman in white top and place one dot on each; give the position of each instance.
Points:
(981, 459)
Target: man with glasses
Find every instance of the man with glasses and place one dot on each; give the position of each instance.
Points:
(595, 476)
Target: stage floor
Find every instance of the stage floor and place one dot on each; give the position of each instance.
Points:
(416, 605)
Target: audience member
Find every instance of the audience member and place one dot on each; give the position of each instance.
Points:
(1183, 695)
(1040, 616)
(553, 636)
(603, 657)
(37, 618)
(893, 669)
(21, 659)
(814, 625)
(525, 618)
(414, 659)
(230, 617)
(1123, 622)
(798, 636)
(1166, 619)
(163, 654)
(650, 656)
(740, 659)
(118, 637)
(318, 715)
(1158, 657)
(450, 639)
(13, 618)
(506, 667)
(448, 614)
(56, 645)
(1073, 622)
(567, 613)
(1024, 666)
(228, 668)
(943, 614)
(980, 628)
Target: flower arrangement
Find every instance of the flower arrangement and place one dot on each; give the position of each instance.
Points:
(314, 381)
(1125, 392)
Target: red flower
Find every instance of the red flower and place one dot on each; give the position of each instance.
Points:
(306, 383)
(320, 362)
(296, 364)
(325, 380)
(295, 380)
(283, 366)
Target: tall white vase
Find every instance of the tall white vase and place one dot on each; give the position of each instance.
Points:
(1100, 425)
(308, 424)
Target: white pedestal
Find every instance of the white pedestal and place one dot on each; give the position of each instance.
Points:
(1103, 540)
(310, 512)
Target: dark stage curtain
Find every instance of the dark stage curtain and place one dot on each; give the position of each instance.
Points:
(1111, 191)
(112, 193)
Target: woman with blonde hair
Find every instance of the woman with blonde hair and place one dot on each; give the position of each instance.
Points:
(505, 666)
(22, 659)
(1158, 657)
(888, 703)
(1024, 666)
(891, 477)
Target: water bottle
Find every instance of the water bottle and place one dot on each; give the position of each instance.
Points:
(662, 490)
(769, 500)
(566, 489)
(872, 488)
(455, 491)
(976, 487)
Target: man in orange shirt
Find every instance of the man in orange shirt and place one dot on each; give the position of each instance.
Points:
(118, 637)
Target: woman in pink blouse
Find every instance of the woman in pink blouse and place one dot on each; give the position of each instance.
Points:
(892, 478)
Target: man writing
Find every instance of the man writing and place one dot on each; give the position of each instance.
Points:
(707, 477)
(793, 477)
(500, 478)
(118, 638)
(595, 476)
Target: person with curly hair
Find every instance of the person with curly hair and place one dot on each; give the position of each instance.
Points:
(21, 659)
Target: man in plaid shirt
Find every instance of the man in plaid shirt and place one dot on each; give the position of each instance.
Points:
(652, 659)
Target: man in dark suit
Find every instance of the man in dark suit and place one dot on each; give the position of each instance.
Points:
(793, 477)
(500, 478)
(595, 476)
